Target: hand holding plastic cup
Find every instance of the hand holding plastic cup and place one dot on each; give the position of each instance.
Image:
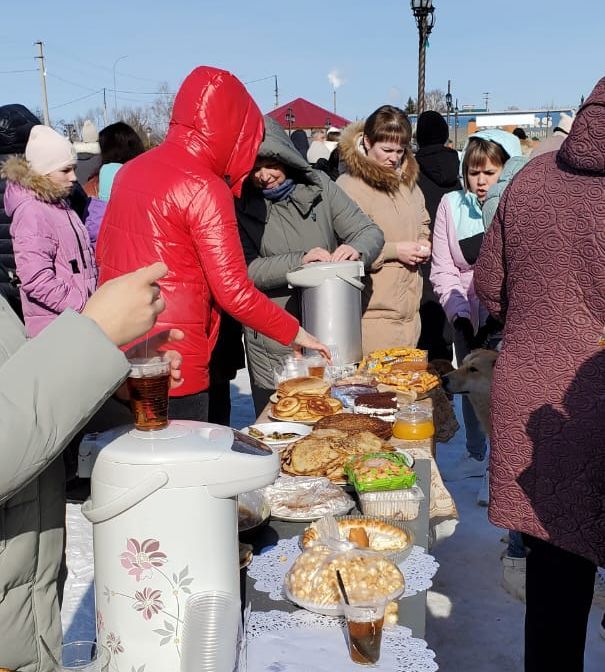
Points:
(148, 386)
(364, 630)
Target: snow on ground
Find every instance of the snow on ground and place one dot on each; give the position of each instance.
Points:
(473, 625)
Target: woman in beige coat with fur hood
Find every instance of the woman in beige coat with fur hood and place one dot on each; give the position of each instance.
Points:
(380, 177)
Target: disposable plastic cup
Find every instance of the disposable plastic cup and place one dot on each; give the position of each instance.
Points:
(210, 632)
(316, 365)
(84, 657)
(148, 385)
(364, 630)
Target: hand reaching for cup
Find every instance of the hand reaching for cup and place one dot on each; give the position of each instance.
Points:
(305, 340)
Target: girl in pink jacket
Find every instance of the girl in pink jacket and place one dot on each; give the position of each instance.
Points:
(54, 258)
(457, 238)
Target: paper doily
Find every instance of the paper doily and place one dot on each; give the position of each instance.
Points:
(315, 642)
(271, 566)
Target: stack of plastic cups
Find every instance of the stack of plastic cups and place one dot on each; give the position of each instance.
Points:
(210, 632)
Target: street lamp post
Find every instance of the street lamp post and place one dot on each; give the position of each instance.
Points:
(448, 105)
(456, 126)
(290, 119)
(425, 20)
(115, 97)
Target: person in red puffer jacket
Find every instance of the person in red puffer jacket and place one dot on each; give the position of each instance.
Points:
(175, 204)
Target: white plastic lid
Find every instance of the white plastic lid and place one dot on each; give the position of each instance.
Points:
(313, 274)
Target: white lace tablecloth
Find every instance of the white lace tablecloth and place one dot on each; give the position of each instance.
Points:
(301, 641)
(271, 566)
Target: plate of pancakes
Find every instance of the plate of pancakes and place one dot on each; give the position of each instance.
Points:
(305, 399)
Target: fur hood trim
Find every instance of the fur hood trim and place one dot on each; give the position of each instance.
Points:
(16, 169)
(87, 147)
(378, 177)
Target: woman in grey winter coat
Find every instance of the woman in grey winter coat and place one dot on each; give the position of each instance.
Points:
(289, 215)
(49, 386)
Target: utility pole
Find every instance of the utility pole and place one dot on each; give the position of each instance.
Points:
(486, 98)
(105, 117)
(276, 93)
(42, 68)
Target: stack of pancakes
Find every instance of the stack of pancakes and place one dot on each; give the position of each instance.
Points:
(304, 399)
(325, 452)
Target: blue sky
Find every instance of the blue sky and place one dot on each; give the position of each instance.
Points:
(525, 54)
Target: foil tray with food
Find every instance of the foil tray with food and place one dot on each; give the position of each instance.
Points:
(306, 498)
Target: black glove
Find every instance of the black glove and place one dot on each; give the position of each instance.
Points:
(491, 327)
(464, 326)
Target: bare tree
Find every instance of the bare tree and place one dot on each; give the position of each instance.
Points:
(161, 109)
(435, 100)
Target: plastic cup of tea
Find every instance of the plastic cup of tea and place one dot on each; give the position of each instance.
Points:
(316, 366)
(148, 386)
(84, 657)
(364, 630)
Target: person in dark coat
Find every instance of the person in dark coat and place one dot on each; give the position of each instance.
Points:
(16, 121)
(541, 271)
(301, 142)
(439, 174)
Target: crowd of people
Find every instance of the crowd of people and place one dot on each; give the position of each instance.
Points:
(103, 244)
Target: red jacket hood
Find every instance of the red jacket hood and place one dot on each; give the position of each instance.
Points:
(215, 120)
(584, 148)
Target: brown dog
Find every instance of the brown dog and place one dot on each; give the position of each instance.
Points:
(474, 377)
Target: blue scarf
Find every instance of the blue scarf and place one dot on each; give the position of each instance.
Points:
(467, 213)
(281, 192)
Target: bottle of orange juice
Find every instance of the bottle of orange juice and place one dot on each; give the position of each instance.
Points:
(414, 423)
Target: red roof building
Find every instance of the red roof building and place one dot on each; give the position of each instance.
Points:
(306, 115)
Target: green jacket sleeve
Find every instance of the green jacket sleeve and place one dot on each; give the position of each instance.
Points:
(268, 272)
(352, 225)
(49, 387)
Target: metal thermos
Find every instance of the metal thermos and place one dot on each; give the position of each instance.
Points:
(331, 304)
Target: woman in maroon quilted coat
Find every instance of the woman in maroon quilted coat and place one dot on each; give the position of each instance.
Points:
(175, 204)
(542, 272)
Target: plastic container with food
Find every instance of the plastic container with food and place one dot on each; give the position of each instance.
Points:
(349, 392)
(312, 584)
(401, 505)
(390, 538)
(380, 471)
(414, 422)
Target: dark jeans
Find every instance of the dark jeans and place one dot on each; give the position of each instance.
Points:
(260, 397)
(189, 407)
(219, 403)
(559, 590)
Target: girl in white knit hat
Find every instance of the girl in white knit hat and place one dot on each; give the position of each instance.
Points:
(54, 258)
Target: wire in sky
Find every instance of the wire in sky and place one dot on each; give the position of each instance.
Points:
(12, 72)
(76, 100)
(67, 81)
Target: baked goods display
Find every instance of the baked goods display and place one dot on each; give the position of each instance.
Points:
(371, 533)
(305, 408)
(403, 359)
(347, 393)
(420, 382)
(303, 386)
(381, 405)
(326, 451)
(306, 498)
(351, 423)
(311, 581)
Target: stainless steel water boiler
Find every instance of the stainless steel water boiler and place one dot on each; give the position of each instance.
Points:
(331, 304)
